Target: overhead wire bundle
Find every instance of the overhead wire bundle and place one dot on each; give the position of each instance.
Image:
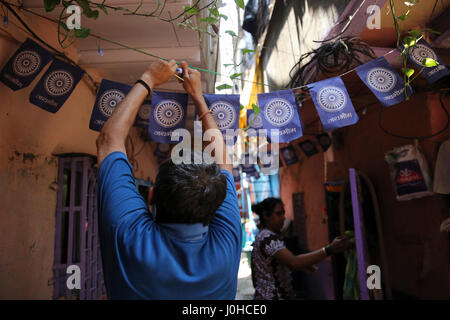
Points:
(330, 58)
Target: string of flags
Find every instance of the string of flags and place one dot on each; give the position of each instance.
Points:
(166, 111)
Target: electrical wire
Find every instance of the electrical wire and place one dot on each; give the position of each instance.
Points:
(330, 58)
(442, 93)
(137, 50)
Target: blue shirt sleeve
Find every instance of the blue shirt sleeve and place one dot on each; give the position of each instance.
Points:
(118, 196)
(227, 220)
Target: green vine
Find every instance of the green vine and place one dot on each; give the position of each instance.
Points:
(409, 43)
(92, 10)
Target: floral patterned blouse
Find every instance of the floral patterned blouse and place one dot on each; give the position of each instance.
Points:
(271, 279)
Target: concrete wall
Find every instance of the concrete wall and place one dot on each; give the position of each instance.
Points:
(30, 140)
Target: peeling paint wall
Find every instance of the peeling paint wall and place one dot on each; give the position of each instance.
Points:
(30, 140)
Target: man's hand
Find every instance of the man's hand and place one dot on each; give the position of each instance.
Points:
(192, 81)
(340, 244)
(159, 72)
(114, 133)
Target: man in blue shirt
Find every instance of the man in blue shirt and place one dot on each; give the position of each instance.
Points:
(192, 248)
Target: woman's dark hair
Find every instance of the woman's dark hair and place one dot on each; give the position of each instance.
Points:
(188, 193)
(267, 206)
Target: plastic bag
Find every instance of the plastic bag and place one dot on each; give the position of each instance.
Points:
(409, 173)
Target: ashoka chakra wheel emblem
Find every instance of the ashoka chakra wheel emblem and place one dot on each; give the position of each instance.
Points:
(278, 112)
(26, 63)
(144, 111)
(381, 79)
(288, 154)
(109, 101)
(421, 52)
(255, 121)
(223, 113)
(331, 99)
(168, 113)
(58, 82)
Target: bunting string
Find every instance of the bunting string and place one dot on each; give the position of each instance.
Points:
(277, 111)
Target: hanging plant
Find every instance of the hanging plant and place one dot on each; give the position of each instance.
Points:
(190, 18)
(408, 44)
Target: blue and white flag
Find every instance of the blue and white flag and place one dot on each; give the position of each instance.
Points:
(333, 104)
(143, 116)
(248, 166)
(236, 174)
(289, 155)
(308, 147)
(168, 113)
(384, 82)
(109, 95)
(324, 140)
(423, 51)
(225, 110)
(254, 122)
(56, 85)
(25, 65)
(279, 112)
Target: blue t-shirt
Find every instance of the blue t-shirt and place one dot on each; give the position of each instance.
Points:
(147, 260)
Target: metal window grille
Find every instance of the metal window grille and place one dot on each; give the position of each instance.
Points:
(76, 231)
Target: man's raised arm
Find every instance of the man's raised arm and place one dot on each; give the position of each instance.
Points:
(193, 85)
(115, 131)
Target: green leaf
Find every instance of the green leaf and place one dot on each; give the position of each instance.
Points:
(244, 51)
(432, 31)
(190, 10)
(231, 33)
(415, 33)
(82, 33)
(214, 12)
(224, 86)
(209, 20)
(103, 8)
(228, 64)
(255, 108)
(403, 17)
(241, 107)
(239, 3)
(235, 75)
(223, 16)
(93, 14)
(409, 41)
(429, 63)
(66, 3)
(84, 4)
(50, 4)
(408, 72)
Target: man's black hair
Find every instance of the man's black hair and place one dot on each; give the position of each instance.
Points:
(188, 193)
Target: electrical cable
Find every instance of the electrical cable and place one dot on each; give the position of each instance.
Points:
(422, 137)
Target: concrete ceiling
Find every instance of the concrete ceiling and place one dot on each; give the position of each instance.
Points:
(148, 34)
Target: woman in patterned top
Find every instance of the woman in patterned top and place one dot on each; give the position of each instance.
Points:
(272, 262)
